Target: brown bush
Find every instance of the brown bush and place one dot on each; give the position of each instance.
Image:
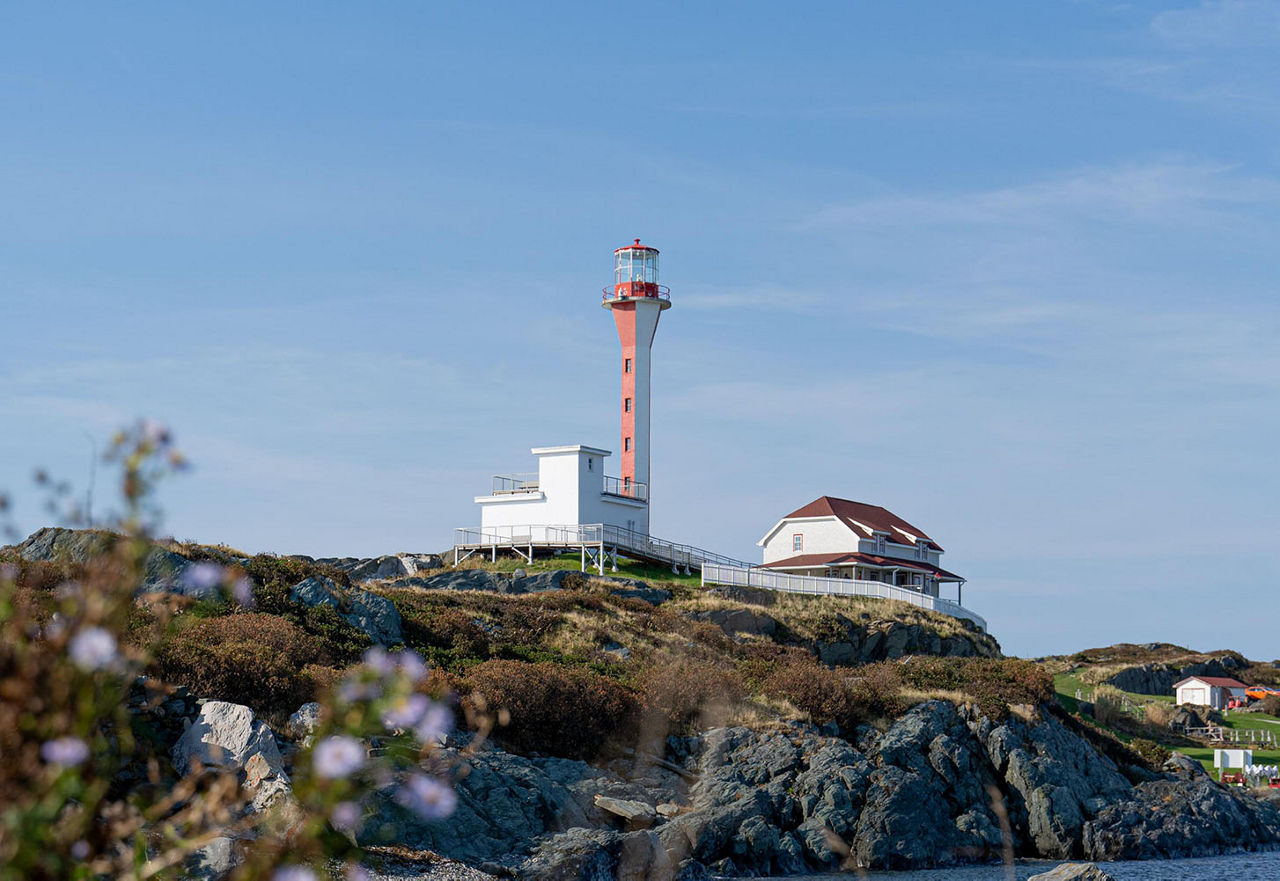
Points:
(1270, 705)
(250, 658)
(877, 691)
(688, 690)
(563, 711)
(817, 690)
(993, 683)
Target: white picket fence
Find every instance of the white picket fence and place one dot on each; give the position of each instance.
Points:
(739, 576)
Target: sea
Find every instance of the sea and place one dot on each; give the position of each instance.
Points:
(1234, 867)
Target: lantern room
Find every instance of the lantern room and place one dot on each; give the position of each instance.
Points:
(635, 276)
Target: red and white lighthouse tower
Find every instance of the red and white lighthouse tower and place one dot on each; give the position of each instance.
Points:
(636, 300)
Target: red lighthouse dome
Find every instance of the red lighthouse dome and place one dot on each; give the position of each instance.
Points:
(635, 277)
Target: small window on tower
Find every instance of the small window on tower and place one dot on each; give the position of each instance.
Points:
(626, 444)
(626, 405)
(626, 365)
(591, 464)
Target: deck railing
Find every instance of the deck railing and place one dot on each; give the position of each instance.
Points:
(627, 542)
(502, 484)
(741, 576)
(616, 486)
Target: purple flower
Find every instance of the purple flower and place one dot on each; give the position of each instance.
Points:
(435, 724)
(202, 579)
(356, 872)
(9, 572)
(427, 797)
(405, 712)
(412, 666)
(293, 873)
(353, 689)
(80, 850)
(155, 433)
(346, 816)
(338, 756)
(242, 591)
(93, 649)
(379, 661)
(64, 751)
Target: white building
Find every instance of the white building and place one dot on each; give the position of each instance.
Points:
(1208, 691)
(838, 538)
(569, 488)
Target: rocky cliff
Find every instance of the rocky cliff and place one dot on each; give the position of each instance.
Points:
(941, 786)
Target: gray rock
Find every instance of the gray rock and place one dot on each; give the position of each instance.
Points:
(303, 722)
(70, 545)
(654, 596)
(736, 621)
(215, 860)
(361, 569)
(1178, 763)
(1160, 678)
(1073, 872)
(376, 616)
(226, 735)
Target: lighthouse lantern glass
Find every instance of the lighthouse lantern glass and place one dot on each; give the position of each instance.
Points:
(636, 265)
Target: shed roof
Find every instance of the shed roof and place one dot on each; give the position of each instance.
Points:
(1219, 681)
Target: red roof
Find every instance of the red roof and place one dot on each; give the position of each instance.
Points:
(873, 516)
(1219, 681)
(813, 561)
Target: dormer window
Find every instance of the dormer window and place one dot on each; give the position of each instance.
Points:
(880, 543)
(797, 542)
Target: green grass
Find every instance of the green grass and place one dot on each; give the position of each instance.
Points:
(573, 562)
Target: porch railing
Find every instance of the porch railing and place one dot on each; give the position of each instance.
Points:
(740, 576)
(514, 483)
(616, 486)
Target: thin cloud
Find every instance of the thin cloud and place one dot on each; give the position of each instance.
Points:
(1220, 24)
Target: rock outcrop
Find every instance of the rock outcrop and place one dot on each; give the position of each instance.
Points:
(1073, 872)
(376, 616)
(519, 582)
(935, 789)
(361, 569)
(1160, 678)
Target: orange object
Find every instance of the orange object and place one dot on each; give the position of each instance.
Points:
(1258, 692)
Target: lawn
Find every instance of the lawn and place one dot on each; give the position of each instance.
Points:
(573, 562)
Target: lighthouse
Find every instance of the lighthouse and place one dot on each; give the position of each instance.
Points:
(637, 301)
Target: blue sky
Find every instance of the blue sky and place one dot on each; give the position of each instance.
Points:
(1007, 269)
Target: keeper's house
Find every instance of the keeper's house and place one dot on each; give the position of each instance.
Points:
(1208, 691)
(837, 538)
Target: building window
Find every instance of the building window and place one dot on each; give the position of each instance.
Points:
(626, 365)
(626, 405)
(626, 444)
(591, 464)
(797, 542)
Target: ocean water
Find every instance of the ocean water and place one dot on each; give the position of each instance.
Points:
(1236, 867)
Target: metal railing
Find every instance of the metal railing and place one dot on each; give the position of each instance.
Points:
(514, 483)
(744, 576)
(664, 293)
(627, 542)
(616, 486)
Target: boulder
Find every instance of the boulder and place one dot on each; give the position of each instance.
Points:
(459, 579)
(362, 569)
(739, 621)
(303, 722)
(1180, 764)
(226, 735)
(637, 814)
(1073, 872)
(71, 545)
(215, 860)
(376, 616)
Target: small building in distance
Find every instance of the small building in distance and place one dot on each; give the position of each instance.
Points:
(838, 538)
(1208, 691)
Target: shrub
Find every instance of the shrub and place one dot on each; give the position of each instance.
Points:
(992, 683)
(1108, 705)
(1158, 713)
(689, 690)
(1152, 753)
(249, 658)
(877, 691)
(1270, 705)
(563, 711)
(817, 690)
